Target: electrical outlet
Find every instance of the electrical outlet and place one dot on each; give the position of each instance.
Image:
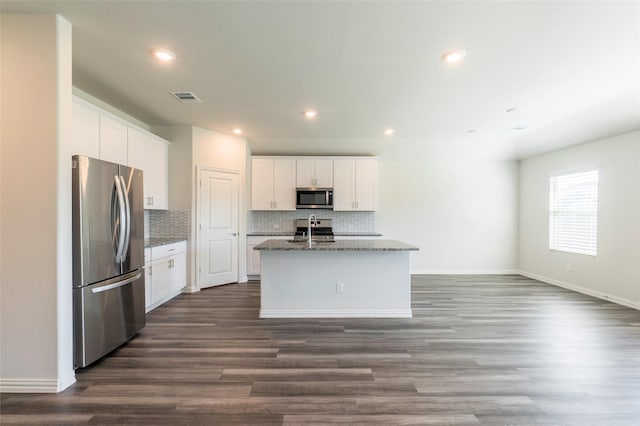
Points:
(339, 287)
(569, 267)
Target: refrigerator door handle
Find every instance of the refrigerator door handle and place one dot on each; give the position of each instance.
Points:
(117, 284)
(122, 217)
(127, 214)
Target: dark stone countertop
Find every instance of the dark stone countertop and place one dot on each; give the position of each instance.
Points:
(290, 234)
(271, 234)
(357, 234)
(155, 242)
(340, 245)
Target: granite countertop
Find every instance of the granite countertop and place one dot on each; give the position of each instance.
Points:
(271, 234)
(290, 234)
(340, 245)
(357, 234)
(155, 242)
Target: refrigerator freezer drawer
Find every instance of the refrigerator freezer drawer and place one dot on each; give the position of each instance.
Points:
(106, 315)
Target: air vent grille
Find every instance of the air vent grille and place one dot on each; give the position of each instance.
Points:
(187, 97)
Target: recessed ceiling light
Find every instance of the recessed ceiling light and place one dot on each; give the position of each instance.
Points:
(453, 56)
(389, 131)
(237, 131)
(471, 131)
(163, 55)
(514, 109)
(310, 113)
(520, 127)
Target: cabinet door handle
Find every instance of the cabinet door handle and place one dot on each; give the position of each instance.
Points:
(275, 204)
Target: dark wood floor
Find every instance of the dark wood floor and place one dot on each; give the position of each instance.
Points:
(493, 350)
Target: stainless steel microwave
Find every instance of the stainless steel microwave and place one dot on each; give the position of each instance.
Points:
(314, 198)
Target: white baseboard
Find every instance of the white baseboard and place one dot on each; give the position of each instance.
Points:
(590, 292)
(36, 385)
(464, 271)
(321, 313)
(66, 382)
(165, 299)
(190, 289)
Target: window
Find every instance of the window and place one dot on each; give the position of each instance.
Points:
(573, 212)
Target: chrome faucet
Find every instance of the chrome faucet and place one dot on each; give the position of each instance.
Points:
(312, 219)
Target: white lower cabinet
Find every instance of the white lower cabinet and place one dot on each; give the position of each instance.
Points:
(147, 278)
(253, 256)
(165, 273)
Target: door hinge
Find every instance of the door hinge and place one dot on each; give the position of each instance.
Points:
(200, 226)
(200, 270)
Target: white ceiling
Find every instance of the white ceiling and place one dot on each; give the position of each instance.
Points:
(573, 66)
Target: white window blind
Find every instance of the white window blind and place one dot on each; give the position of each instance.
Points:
(573, 212)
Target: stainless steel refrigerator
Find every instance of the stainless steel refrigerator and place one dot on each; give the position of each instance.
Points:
(108, 257)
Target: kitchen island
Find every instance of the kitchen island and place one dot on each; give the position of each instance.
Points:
(350, 278)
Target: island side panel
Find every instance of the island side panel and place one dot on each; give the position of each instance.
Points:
(304, 284)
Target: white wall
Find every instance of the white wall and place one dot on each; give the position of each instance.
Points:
(615, 271)
(459, 208)
(192, 147)
(219, 150)
(180, 164)
(36, 295)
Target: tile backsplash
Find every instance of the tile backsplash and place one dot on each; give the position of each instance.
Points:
(166, 224)
(175, 223)
(283, 221)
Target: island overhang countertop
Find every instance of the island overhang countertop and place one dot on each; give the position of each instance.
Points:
(339, 245)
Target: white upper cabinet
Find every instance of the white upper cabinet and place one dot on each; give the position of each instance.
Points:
(99, 134)
(150, 154)
(261, 184)
(86, 130)
(284, 188)
(355, 185)
(113, 140)
(366, 184)
(314, 173)
(273, 184)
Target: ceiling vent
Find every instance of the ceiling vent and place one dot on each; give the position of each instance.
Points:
(187, 97)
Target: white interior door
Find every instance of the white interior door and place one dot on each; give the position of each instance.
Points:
(218, 229)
